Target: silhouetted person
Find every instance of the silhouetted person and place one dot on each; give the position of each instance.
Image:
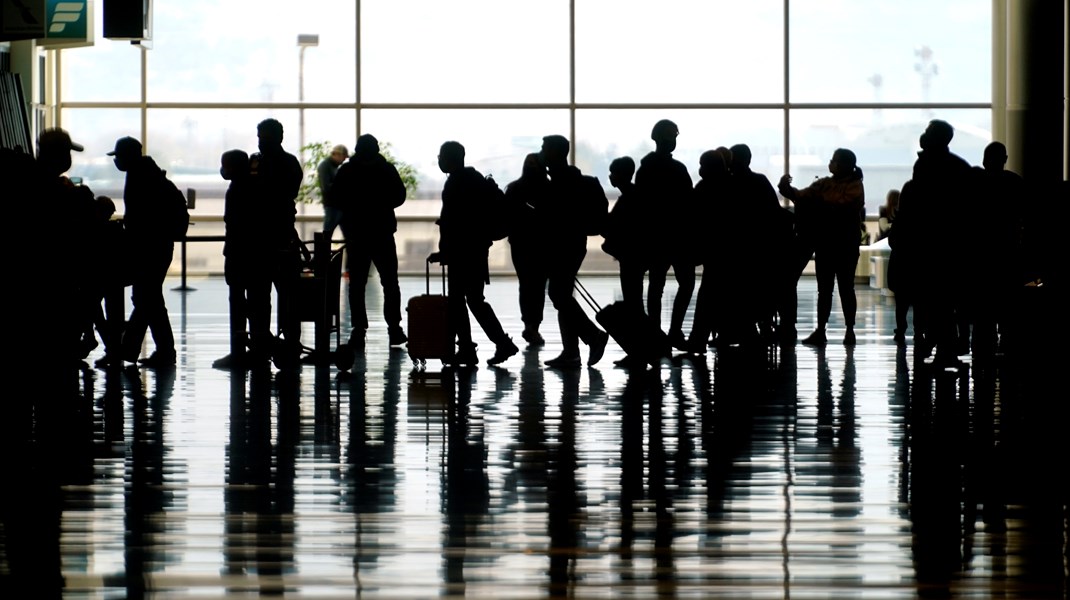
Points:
(897, 281)
(626, 239)
(568, 206)
(325, 172)
(930, 210)
(247, 273)
(276, 177)
(886, 214)
(712, 195)
(837, 204)
(752, 263)
(525, 197)
(665, 185)
(996, 222)
(109, 275)
(150, 250)
(464, 246)
(367, 188)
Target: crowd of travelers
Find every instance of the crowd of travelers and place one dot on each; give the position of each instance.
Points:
(751, 244)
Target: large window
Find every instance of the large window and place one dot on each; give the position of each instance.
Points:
(793, 79)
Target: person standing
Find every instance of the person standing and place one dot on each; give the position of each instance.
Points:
(367, 189)
(464, 246)
(325, 173)
(525, 197)
(837, 204)
(276, 177)
(151, 246)
(665, 184)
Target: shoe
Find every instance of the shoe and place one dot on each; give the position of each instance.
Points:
(677, 340)
(465, 357)
(849, 338)
(397, 337)
(630, 362)
(817, 338)
(503, 352)
(230, 362)
(598, 348)
(108, 361)
(564, 362)
(158, 360)
(87, 345)
(532, 337)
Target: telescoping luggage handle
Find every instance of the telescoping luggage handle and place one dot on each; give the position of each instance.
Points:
(427, 279)
(587, 297)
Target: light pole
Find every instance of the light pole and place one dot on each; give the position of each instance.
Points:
(304, 40)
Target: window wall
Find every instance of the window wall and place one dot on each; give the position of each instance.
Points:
(793, 79)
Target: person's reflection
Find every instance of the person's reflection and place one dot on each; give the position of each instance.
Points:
(632, 402)
(275, 530)
(240, 491)
(659, 473)
(465, 483)
(370, 475)
(935, 490)
(42, 440)
(326, 429)
(565, 502)
(259, 497)
(527, 478)
(147, 496)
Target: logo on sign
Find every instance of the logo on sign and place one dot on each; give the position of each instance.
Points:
(65, 13)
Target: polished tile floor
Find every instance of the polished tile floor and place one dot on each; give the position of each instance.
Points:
(830, 472)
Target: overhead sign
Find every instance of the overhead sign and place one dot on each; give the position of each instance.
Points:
(22, 19)
(70, 24)
(67, 20)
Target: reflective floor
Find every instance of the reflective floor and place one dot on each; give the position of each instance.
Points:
(832, 472)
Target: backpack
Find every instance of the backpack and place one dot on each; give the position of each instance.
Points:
(593, 205)
(176, 212)
(496, 217)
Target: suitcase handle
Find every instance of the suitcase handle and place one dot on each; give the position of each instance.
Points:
(427, 279)
(587, 297)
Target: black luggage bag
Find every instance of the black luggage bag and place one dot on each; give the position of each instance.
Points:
(633, 330)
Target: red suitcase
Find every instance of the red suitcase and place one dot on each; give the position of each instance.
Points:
(429, 336)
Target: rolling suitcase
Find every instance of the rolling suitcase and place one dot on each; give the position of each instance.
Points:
(429, 335)
(633, 330)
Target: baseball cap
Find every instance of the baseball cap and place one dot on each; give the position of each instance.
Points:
(57, 139)
(126, 146)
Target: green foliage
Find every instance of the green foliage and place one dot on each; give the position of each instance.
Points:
(316, 152)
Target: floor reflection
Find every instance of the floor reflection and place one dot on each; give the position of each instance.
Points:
(833, 471)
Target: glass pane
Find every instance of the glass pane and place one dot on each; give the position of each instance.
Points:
(495, 141)
(603, 135)
(679, 51)
(188, 143)
(108, 71)
(885, 142)
(97, 129)
(210, 51)
(472, 51)
(904, 51)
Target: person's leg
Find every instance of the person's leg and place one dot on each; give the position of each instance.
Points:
(385, 257)
(847, 264)
(685, 281)
(358, 265)
(159, 321)
(526, 292)
(825, 271)
(658, 271)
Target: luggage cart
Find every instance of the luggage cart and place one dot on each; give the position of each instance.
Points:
(319, 299)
